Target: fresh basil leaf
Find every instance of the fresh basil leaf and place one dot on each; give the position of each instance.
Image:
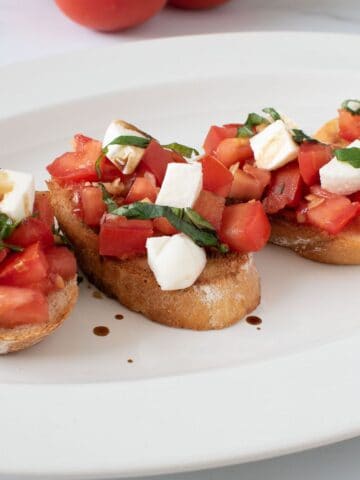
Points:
(183, 150)
(108, 200)
(245, 132)
(7, 226)
(349, 155)
(352, 106)
(98, 165)
(273, 113)
(131, 140)
(253, 120)
(299, 137)
(183, 219)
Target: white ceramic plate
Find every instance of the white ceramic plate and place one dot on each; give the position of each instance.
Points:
(73, 405)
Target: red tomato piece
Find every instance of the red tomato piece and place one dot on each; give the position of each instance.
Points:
(355, 197)
(216, 135)
(196, 4)
(216, 177)
(142, 188)
(349, 125)
(210, 207)
(3, 253)
(312, 156)
(250, 183)
(233, 150)
(21, 306)
(285, 188)
(110, 15)
(61, 262)
(245, 227)
(332, 214)
(30, 231)
(43, 209)
(163, 226)
(120, 237)
(93, 206)
(25, 268)
(156, 160)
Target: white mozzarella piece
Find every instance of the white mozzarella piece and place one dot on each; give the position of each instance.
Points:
(125, 157)
(274, 146)
(176, 261)
(340, 177)
(181, 186)
(289, 122)
(17, 194)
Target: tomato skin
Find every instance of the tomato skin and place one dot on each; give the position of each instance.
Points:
(285, 189)
(249, 183)
(110, 15)
(216, 135)
(313, 156)
(245, 227)
(43, 209)
(210, 206)
(25, 268)
(21, 306)
(163, 226)
(123, 238)
(216, 177)
(349, 125)
(3, 254)
(92, 205)
(61, 262)
(332, 214)
(196, 4)
(233, 150)
(30, 231)
(142, 188)
(156, 160)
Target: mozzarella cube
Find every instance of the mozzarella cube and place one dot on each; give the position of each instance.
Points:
(274, 146)
(181, 186)
(17, 194)
(125, 157)
(289, 122)
(176, 261)
(341, 177)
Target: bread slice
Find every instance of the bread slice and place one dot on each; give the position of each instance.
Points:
(227, 289)
(60, 305)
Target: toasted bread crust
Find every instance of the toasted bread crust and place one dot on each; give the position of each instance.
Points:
(312, 243)
(228, 288)
(60, 305)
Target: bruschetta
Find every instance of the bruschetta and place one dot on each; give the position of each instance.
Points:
(38, 286)
(150, 227)
(309, 187)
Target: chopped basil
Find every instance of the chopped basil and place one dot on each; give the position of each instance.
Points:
(185, 220)
(299, 137)
(352, 106)
(14, 248)
(183, 150)
(349, 155)
(107, 198)
(253, 120)
(7, 226)
(273, 113)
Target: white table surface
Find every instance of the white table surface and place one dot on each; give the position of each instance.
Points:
(34, 28)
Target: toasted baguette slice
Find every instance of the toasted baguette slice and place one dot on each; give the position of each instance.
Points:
(329, 133)
(314, 244)
(60, 305)
(228, 288)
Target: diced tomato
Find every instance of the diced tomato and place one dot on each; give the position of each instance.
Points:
(312, 156)
(163, 226)
(210, 206)
(216, 135)
(355, 197)
(120, 237)
(80, 165)
(30, 231)
(245, 227)
(177, 158)
(233, 150)
(332, 214)
(285, 188)
(250, 183)
(156, 160)
(3, 253)
(216, 177)
(43, 209)
(93, 206)
(321, 192)
(25, 268)
(349, 125)
(142, 188)
(21, 306)
(61, 262)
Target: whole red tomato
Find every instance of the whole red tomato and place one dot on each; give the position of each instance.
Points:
(110, 15)
(196, 4)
